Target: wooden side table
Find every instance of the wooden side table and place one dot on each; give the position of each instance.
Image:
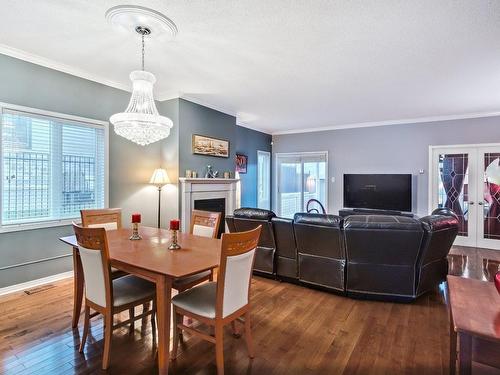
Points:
(474, 308)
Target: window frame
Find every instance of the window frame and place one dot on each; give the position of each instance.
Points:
(60, 116)
(269, 182)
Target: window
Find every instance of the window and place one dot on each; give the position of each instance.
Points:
(52, 166)
(300, 177)
(264, 180)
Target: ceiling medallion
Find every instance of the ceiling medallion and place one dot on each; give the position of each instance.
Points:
(140, 122)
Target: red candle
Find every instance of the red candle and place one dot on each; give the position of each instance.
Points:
(174, 224)
(136, 218)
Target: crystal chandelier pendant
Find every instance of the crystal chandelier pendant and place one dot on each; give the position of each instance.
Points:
(141, 123)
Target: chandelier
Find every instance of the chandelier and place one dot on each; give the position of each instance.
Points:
(141, 123)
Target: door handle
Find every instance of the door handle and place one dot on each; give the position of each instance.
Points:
(480, 203)
(471, 203)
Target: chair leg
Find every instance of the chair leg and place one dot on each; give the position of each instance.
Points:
(248, 335)
(178, 318)
(131, 315)
(211, 277)
(153, 323)
(219, 347)
(86, 324)
(108, 334)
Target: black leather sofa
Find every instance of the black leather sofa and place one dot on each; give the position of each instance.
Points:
(387, 257)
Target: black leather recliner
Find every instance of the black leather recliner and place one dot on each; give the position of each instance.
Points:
(244, 219)
(440, 230)
(370, 256)
(382, 252)
(320, 250)
(286, 250)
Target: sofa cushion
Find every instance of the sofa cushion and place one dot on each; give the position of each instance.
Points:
(318, 219)
(382, 222)
(254, 213)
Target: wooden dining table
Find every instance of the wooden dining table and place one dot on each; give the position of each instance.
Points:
(150, 259)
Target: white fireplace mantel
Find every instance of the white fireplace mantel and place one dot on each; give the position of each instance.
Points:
(193, 189)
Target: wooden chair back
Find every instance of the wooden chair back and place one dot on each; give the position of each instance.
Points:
(235, 271)
(94, 253)
(205, 223)
(107, 218)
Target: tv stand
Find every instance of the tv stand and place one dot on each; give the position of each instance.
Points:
(368, 211)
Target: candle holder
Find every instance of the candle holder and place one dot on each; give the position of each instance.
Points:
(135, 232)
(174, 245)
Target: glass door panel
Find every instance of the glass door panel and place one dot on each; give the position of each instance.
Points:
(454, 186)
(489, 201)
(289, 187)
(314, 182)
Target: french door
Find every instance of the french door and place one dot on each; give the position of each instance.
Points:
(300, 177)
(466, 179)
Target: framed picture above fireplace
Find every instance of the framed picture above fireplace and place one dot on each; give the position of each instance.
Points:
(203, 145)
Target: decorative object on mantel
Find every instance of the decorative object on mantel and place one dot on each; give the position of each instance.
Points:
(189, 173)
(136, 220)
(227, 174)
(241, 163)
(159, 179)
(210, 173)
(141, 123)
(194, 174)
(203, 145)
(174, 228)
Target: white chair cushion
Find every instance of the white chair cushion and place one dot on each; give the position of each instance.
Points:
(180, 282)
(199, 300)
(203, 231)
(130, 288)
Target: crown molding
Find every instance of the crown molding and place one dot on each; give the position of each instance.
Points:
(195, 100)
(390, 122)
(51, 64)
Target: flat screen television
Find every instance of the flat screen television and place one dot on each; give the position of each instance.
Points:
(378, 191)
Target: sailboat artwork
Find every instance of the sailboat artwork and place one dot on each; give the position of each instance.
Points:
(203, 145)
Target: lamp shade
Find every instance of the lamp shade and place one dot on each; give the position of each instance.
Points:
(159, 177)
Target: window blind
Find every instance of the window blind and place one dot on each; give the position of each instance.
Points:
(52, 167)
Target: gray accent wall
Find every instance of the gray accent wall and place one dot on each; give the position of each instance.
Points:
(130, 165)
(248, 142)
(197, 119)
(387, 149)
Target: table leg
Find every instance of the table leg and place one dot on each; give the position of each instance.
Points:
(163, 303)
(453, 346)
(77, 287)
(465, 353)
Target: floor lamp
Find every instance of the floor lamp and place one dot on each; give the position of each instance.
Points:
(159, 179)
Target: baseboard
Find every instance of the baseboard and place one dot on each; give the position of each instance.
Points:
(35, 283)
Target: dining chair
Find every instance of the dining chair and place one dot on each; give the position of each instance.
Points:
(204, 224)
(226, 301)
(105, 295)
(107, 218)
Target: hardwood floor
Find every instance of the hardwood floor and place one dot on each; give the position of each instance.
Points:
(296, 330)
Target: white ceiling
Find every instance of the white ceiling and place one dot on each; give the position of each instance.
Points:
(284, 65)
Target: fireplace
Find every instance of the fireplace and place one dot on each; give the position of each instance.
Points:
(213, 205)
(208, 194)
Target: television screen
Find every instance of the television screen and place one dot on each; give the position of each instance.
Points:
(378, 191)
